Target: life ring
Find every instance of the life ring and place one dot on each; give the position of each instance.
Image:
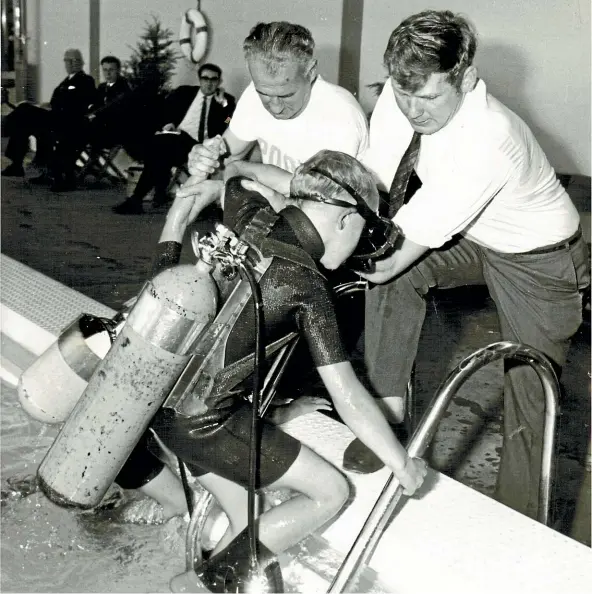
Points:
(193, 35)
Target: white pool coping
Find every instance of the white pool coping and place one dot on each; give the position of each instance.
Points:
(452, 539)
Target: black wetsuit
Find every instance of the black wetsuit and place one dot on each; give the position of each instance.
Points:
(296, 298)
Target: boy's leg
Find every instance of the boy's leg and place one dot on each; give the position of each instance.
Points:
(315, 502)
(222, 457)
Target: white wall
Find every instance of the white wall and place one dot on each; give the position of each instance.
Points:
(56, 25)
(230, 22)
(533, 54)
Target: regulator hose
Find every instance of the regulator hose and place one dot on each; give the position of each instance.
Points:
(255, 418)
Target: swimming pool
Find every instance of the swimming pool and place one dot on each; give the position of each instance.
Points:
(452, 538)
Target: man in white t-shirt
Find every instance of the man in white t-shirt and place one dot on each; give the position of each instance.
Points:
(287, 109)
(489, 209)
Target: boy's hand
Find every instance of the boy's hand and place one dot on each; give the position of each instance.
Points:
(190, 200)
(275, 199)
(411, 477)
(298, 407)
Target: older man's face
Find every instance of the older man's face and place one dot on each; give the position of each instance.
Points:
(285, 92)
(72, 62)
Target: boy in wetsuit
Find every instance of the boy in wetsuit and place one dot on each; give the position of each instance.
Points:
(324, 228)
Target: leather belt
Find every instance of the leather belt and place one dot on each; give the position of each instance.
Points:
(566, 243)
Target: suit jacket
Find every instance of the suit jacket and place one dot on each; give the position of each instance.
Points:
(180, 99)
(71, 98)
(105, 95)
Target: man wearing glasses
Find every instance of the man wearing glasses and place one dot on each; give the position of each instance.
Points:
(191, 114)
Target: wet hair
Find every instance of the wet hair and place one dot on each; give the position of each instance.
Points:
(340, 166)
(211, 67)
(112, 60)
(279, 42)
(430, 42)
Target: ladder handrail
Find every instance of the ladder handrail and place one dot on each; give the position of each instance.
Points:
(366, 541)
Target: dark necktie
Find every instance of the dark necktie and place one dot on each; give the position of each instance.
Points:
(202, 120)
(401, 179)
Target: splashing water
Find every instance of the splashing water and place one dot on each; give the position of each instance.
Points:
(122, 546)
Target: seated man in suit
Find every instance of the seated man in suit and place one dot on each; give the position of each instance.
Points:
(191, 114)
(106, 113)
(61, 125)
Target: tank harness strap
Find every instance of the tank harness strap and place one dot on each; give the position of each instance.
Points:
(197, 380)
(256, 234)
(207, 370)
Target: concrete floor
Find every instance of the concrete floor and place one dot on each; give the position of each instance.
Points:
(77, 240)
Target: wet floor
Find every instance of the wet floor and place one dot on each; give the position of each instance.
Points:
(76, 239)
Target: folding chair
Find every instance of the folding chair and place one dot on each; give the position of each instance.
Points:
(100, 163)
(179, 176)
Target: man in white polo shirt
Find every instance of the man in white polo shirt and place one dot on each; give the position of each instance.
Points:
(489, 209)
(288, 109)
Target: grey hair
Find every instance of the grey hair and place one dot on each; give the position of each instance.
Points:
(279, 42)
(75, 54)
(340, 166)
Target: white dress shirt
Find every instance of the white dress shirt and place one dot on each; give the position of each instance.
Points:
(190, 122)
(483, 175)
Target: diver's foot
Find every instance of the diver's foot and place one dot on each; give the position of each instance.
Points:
(230, 569)
(236, 577)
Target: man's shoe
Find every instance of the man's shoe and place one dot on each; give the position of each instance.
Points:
(359, 458)
(129, 207)
(63, 186)
(14, 170)
(161, 201)
(42, 180)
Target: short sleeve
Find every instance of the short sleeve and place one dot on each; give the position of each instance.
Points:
(242, 124)
(317, 323)
(240, 205)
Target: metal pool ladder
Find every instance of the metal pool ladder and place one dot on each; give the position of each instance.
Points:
(366, 541)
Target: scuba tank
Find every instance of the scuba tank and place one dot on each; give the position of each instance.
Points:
(132, 381)
(50, 387)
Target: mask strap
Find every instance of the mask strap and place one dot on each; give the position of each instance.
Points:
(363, 209)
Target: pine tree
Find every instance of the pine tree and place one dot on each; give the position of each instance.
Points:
(153, 60)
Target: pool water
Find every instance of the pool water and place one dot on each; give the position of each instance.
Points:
(45, 548)
(120, 547)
